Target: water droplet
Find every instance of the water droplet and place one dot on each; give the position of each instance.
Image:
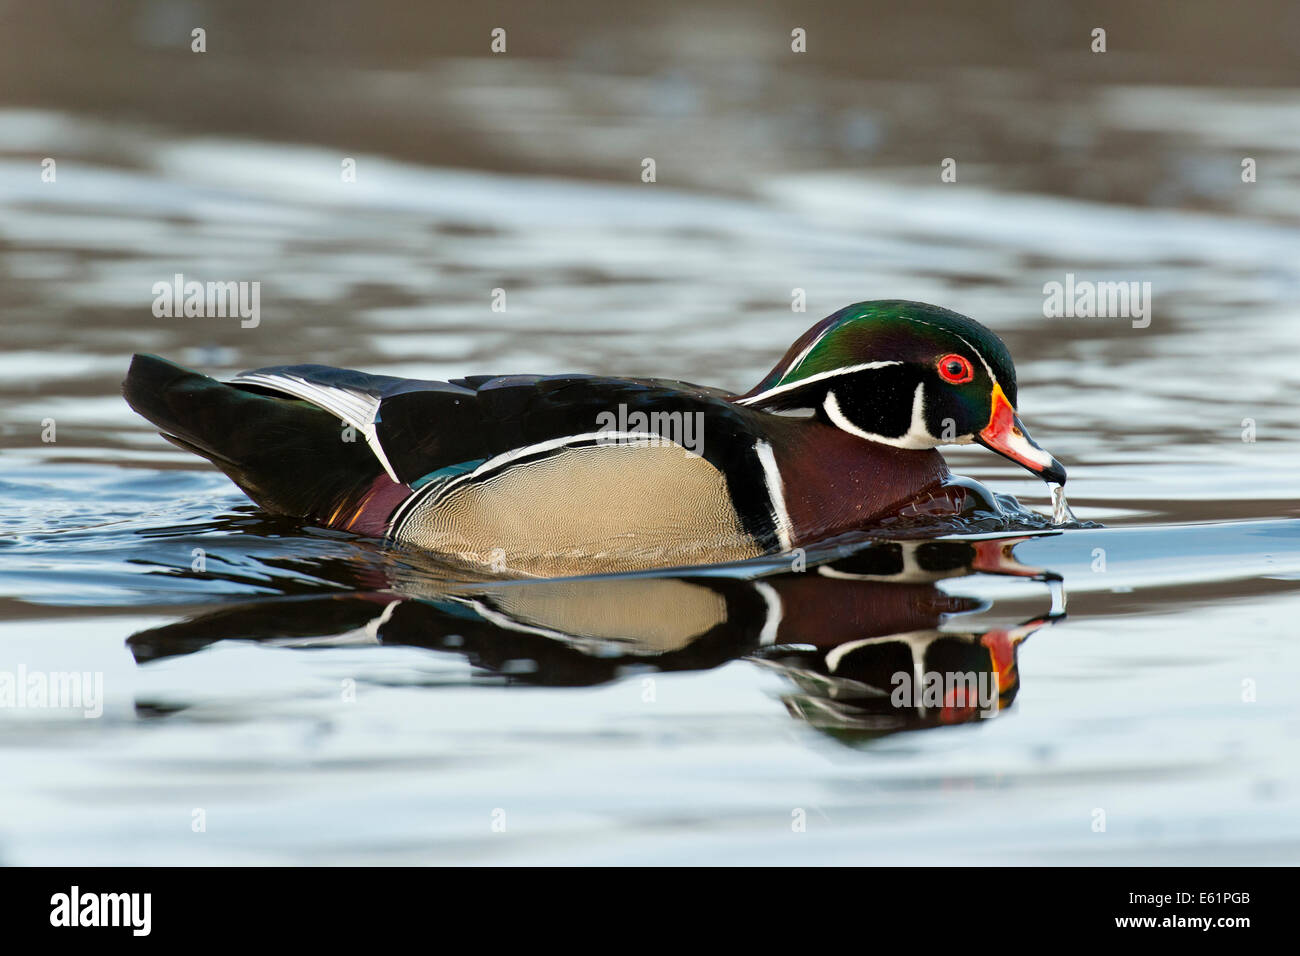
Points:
(1061, 513)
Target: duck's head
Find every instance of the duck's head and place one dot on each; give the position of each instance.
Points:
(909, 375)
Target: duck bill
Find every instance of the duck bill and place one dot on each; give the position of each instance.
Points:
(1006, 435)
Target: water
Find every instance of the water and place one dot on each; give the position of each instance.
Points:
(321, 699)
(1061, 513)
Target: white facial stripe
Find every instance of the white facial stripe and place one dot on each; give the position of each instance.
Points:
(841, 421)
(847, 370)
(917, 435)
(917, 430)
(804, 354)
(978, 354)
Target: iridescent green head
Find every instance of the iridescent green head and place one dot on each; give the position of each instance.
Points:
(909, 375)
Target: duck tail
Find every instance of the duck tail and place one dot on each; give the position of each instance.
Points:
(288, 455)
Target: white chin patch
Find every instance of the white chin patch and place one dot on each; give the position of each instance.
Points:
(917, 436)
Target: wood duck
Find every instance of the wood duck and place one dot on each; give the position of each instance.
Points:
(570, 474)
(859, 636)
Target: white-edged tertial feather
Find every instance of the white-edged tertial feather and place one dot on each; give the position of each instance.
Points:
(354, 408)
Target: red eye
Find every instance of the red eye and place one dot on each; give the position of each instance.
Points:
(955, 369)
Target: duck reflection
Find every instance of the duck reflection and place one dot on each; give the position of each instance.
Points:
(865, 639)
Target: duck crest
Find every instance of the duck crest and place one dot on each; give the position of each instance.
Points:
(873, 335)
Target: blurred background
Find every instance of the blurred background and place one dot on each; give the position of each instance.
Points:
(776, 172)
